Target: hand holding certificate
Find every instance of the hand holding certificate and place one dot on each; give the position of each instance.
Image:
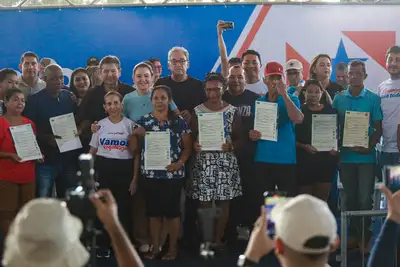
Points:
(25, 142)
(355, 133)
(324, 132)
(157, 151)
(211, 131)
(266, 120)
(64, 126)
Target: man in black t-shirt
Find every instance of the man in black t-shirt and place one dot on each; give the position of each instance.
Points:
(187, 92)
(244, 101)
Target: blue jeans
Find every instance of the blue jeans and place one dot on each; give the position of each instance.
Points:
(62, 174)
(386, 158)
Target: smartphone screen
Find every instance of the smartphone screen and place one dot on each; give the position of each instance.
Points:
(271, 199)
(392, 178)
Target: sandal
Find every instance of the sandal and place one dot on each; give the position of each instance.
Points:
(171, 255)
(151, 255)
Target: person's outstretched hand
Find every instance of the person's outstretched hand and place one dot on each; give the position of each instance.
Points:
(260, 244)
(106, 207)
(393, 202)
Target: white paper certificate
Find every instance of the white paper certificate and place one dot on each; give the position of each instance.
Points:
(355, 131)
(266, 119)
(211, 131)
(64, 126)
(324, 132)
(157, 150)
(25, 142)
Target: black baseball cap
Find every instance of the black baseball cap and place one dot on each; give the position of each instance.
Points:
(92, 61)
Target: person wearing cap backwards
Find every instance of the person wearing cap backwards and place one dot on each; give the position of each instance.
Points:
(92, 62)
(294, 74)
(275, 162)
(305, 234)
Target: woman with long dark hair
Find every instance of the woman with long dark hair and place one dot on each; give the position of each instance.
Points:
(79, 83)
(163, 188)
(315, 169)
(321, 70)
(17, 177)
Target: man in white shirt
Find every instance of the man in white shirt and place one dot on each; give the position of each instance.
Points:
(389, 92)
(251, 62)
(29, 82)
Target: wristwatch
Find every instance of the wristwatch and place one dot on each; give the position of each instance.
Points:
(245, 262)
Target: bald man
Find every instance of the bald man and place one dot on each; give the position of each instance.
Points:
(57, 168)
(244, 101)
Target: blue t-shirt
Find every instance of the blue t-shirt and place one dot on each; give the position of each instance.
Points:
(367, 101)
(177, 129)
(284, 150)
(136, 106)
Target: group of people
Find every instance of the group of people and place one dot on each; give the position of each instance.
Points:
(112, 120)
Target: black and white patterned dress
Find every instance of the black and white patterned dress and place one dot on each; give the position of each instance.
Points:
(216, 174)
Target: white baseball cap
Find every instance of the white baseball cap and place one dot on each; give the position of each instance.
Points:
(45, 234)
(294, 64)
(299, 219)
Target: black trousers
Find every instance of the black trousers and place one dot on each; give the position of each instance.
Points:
(116, 175)
(268, 177)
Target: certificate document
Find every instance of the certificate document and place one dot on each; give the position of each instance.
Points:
(157, 150)
(25, 142)
(324, 132)
(64, 126)
(355, 131)
(266, 120)
(211, 131)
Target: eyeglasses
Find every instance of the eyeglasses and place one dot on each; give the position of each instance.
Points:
(180, 62)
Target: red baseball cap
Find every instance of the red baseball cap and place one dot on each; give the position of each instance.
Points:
(273, 68)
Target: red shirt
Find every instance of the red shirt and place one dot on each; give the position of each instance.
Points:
(9, 170)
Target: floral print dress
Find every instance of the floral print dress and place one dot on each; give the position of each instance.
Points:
(216, 174)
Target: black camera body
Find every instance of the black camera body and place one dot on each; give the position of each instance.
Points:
(79, 205)
(77, 200)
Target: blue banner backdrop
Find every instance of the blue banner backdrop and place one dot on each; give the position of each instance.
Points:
(70, 35)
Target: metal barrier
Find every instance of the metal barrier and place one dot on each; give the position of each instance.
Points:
(377, 195)
(344, 224)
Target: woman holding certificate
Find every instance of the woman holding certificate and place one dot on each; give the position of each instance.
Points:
(114, 160)
(216, 171)
(166, 147)
(17, 170)
(316, 141)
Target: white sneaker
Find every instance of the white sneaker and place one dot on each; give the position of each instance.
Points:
(144, 248)
(243, 233)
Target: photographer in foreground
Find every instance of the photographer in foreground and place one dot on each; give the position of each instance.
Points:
(306, 232)
(44, 233)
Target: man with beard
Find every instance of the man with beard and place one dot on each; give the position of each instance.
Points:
(244, 101)
(389, 92)
(251, 62)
